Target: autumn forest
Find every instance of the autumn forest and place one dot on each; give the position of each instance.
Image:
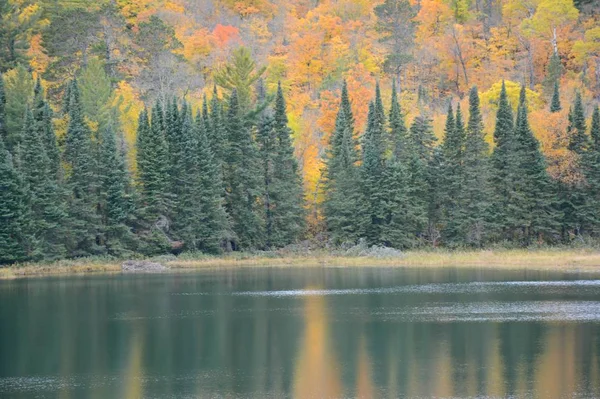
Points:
(161, 126)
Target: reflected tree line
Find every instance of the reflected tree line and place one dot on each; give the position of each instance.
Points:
(314, 346)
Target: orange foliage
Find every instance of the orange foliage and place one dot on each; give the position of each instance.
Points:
(224, 34)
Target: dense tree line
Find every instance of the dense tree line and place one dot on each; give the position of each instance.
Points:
(217, 180)
(398, 188)
(225, 177)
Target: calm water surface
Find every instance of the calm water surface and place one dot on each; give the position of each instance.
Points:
(302, 333)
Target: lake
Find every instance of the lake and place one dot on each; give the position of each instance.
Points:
(302, 333)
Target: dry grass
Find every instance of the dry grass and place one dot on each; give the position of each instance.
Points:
(547, 259)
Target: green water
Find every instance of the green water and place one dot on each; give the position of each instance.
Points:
(302, 333)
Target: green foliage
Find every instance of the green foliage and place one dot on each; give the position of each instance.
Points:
(18, 85)
(240, 74)
(578, 138)
(242, 180)
(97, 95)
(13, 212)
(3, 128)
(18, 21)
(395, 22)
(82, 183)
(555, 103)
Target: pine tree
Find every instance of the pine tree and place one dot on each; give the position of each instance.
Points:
(42, 115)
(153, 165)
(476, 189)
(242, 180)
(555, 104)
(591, 212)
(13, 212)
(503, 163)
(573, 195)
(452, 165)
(18, 86)
(284, 211)
(373, 171)
(216, 132)
(578, 138)
(116, 202)
(186, 216)
(214, 225)
(82, 182)
(343, 197)
(554, 70)
(46, 212)
(398, 130)
(536, 215)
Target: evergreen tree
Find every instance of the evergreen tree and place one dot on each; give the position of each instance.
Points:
(554, 70)
(82, 182)
(343, 197)
(187, 213)
(578, 138)
(555, 104)
(214, 225)
(116, 202)
(242, 180)
(452, 164)
(42, 115)
(398, 130)
(536, 215)
(373, 171)
(46, 211)
(152, 160)
(503, 163)
(18, 86)
(216, 133)
(591, 212)
(13, 212)
(476, 189)
(573, 195)
(284, 211)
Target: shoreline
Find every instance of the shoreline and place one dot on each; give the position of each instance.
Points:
(567, 260)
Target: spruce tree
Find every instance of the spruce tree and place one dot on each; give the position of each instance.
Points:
(591, 212)
(343, 197)
(82, 182)
(284, 195)
(373, 171)
(398, 131)
(555, 104)
(186, 215)
(536, 215)
(46, 212)
(476, 189)
(42, 115)
(503, 163)
(452, 173)
(13, 212)
(214, 225)
(216, 133)
(116, 202)
(573, 195)
(242, 180)
(153, 166)
(578, 138)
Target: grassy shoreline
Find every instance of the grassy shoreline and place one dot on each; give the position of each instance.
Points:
(582, 260)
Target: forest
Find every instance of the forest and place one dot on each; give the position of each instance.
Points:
(160, 126)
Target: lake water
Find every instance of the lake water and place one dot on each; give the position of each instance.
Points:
(302, 333)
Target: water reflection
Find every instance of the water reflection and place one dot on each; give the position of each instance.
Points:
(383, 333)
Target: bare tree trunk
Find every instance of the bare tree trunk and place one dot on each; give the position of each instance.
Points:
(458, 52)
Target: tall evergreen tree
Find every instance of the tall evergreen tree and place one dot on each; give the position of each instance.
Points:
(373, 171)
(13, 212)
(476, 187)
(503, 163)
(82, 182)
(46, 211)
(242, 180)
(555, 104)
(536, 215)
(452, 164)
(343, 196)
(216, 131)
(42, 115)
(153, 164)
(398, 131)
(591, 168)
(578, 138)
(214, 225)
(116, 202)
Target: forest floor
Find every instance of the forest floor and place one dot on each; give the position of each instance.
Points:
(559, 259)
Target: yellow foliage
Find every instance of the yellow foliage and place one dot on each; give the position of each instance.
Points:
(130, 106)
(490, 97)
